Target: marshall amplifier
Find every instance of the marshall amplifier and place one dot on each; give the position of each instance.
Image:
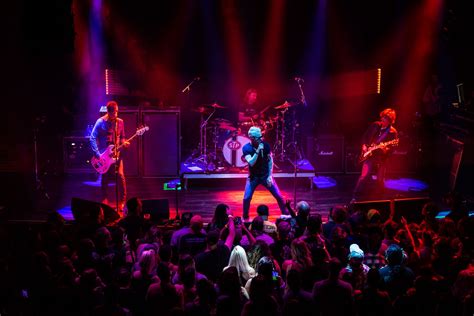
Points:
(326, 153)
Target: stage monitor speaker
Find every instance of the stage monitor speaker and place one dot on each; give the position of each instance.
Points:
(410, 208)
(161, 144)
(326, 153)
(158, 209)
(87, 212)
(131, 154)
(77, 154)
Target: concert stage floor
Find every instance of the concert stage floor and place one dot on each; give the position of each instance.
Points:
(204, 194)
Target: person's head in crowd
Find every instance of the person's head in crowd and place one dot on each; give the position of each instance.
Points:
(206, 292)
(303, 209)
(447, 228)
(229, 282)
(123, 278)
(429, 211)
(89, 279)
(394, 255)
(196, 223)
(358, 221)
(300, 254)
(102, 238)
(390, 229)
(263, 211)
(339, 214)
(212, 238)
(186, 219)
(265, 267)
(259, 250)
(443, 248)
(259, 288)
(118, 236)
(283, 230)
(335, 267)
(373, 216)
(356, 257)
(314, 225)
(374, 237)
(238, 259)
(188, 278)
(257, 225)
(147, 261)
(134, 206)
(163, 272)
(153, 235)
(339, 236)
(221, 215)
(165, 252)
(185, 261)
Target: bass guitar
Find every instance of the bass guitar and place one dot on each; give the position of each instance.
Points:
(110, 156)
(370, 150)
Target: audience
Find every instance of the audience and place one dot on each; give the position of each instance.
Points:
(353, 264)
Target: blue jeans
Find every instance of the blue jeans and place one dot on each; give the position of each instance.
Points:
(250, 187)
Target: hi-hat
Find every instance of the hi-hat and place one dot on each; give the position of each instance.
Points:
(216, 106)
(202, 109)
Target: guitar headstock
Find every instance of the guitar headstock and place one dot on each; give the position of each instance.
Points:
(142, 130)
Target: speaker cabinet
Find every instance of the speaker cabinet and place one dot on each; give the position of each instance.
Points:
(326, 153)
(410, 208)
(161, 144)
(77, 154)
(87, 212)
(131, 154)
(158, 209)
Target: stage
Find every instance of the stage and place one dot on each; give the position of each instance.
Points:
(204, 191)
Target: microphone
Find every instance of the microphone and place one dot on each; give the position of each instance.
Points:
(298, 79)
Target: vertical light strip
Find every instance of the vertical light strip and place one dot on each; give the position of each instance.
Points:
(379, 79)
(106, 81)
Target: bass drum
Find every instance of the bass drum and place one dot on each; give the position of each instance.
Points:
(232, 150)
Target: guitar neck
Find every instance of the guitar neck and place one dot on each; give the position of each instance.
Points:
(128, 140)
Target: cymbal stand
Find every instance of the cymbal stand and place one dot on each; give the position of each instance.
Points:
(203, 138)
(280, 142)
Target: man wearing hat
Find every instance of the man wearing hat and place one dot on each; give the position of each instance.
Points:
(257, 153)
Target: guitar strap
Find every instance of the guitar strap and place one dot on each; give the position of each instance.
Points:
(382, 135)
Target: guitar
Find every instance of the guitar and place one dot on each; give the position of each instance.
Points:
(102, 163)
(370, 151)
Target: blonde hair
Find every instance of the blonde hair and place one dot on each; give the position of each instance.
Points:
(238, 259)
(147, 261)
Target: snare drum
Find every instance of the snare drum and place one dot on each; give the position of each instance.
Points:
(232, 150)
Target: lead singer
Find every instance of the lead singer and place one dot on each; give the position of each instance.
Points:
(258, 155)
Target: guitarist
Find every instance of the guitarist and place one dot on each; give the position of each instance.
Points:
(378, 132)
(109, 130)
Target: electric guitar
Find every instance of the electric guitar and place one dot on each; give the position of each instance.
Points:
(370, 150)
(102, 163)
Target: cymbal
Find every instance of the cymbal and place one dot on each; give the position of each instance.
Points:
(221, 120)
(216, 106)
(285, 105)
(227, 127)
(202, 109)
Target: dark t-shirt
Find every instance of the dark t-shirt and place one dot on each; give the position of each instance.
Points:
(260, 168)
(211, 263)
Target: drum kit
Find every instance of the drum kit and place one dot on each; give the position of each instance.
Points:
(227, 140)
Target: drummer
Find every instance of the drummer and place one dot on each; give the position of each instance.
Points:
(249, 109)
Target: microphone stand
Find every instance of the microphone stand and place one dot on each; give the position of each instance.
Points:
(299, 81)
(188, 87)
(116, 165)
